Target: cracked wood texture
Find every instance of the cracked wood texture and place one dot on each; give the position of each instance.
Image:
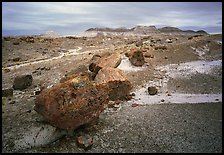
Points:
(75, 102)
(107, 60)
(119, 85)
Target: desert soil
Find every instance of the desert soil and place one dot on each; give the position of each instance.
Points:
(185, 115)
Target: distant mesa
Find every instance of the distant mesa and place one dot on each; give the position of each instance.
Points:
(201, 32)
(169, 29)
(139, 30)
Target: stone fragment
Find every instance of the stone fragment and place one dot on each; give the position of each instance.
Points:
(22, 82)
(16, 59)
(85, 141)
(161, 47)
(137, 58)
(7, 92)
(152, 90)
(99, 62)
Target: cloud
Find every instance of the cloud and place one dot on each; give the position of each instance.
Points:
(44, 16)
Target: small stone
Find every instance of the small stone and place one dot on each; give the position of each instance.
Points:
(85, 142)
(16, 59)
(162, 100)
(12, 102)
(152, 90)
(28, 111)
(132, 94)
(135, 105)
(37, 92)
(168, 94)
(16, 43)
(6, 70)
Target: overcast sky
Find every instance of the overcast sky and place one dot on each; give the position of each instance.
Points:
(27, 18)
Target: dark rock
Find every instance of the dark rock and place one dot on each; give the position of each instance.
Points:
(22, 82)
(152, 90)
(12, 102)
(147, 55)
(132, 94)
(16, 59)
(7, 92)
(168, 94)
(6, 70)
(37, 92)
(160, 47)
(16, 43)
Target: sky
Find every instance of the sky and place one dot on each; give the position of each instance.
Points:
(72, 18)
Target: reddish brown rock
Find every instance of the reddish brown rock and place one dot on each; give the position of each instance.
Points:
(81, 70)
(98, 62)
(73, 103)
(119, 85)
(85, 141)
(137, 58)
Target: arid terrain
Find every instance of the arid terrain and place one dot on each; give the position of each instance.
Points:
(184, 116)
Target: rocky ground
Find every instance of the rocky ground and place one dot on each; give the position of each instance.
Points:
(185, 70)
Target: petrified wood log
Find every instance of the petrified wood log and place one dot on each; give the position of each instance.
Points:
(81, 70)
(119, 85)
(73, 103)
(98, 62)
(136, 58)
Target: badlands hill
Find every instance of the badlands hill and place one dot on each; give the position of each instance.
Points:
(139, 31)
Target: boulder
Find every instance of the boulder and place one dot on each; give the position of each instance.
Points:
(73, 103)
(136, 58)
(118, 83)
(108, 60)
(22, 82)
